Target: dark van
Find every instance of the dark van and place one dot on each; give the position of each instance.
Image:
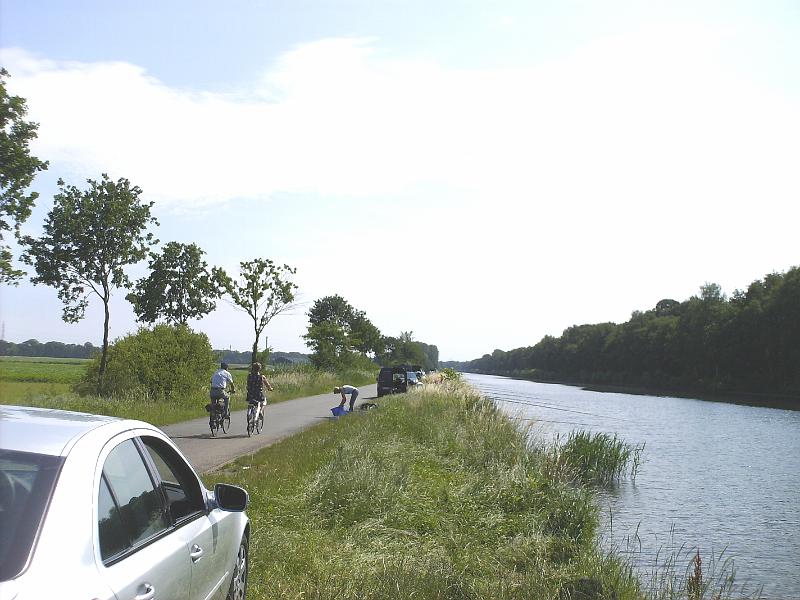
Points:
(392, 380)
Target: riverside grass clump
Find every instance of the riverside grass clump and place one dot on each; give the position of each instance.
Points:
(598, 458)
(434, 494)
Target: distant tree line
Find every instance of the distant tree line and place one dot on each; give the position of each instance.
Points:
(48, 349)
(747, 343)
(274, 358)
(88, 350)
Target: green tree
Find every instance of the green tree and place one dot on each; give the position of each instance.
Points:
(180, 286)
(338, 332)
(89, 236)
(404, 350)
(17, 170)
(263, 291)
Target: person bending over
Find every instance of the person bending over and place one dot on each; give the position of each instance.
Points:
(344, 391)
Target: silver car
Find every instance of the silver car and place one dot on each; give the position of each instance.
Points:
(105, 508)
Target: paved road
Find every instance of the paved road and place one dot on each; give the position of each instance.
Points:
(281, 420)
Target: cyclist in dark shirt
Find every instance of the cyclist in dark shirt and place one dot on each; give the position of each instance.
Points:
(257, 386)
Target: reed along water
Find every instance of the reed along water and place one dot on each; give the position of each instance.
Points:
(723, 478)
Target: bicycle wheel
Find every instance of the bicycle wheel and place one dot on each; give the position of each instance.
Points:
(250, 421)
(213, 423)
(260, 422)
(225, 423)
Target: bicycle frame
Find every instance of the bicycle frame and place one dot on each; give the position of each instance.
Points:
(255, 418)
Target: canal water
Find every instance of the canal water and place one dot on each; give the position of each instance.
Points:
(721, 478)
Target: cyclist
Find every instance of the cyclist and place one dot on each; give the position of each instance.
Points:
(344, 390)
(219, 384)
(257, 385)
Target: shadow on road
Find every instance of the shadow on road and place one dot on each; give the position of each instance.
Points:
(208, 436)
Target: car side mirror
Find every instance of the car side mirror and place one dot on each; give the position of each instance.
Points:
(231, 497)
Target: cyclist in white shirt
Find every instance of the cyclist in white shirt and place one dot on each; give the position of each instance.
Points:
(219, 384)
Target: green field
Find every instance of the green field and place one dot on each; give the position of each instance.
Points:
(42, 370)
(24, 379)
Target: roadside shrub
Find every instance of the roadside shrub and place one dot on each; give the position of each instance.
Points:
(448, 373)
(165, 363)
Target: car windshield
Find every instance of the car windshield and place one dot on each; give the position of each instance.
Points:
(411, 376)
(26, 483)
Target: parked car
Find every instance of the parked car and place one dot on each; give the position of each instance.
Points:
(396, 380)
(413, 378)
(391, 380)
(106, 508)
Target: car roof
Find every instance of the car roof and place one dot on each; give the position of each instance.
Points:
(45, 430)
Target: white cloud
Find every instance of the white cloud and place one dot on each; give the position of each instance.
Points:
(652, 115)
(643, 164)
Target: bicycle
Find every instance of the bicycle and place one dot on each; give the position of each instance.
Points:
(255, 418)
(218, 417)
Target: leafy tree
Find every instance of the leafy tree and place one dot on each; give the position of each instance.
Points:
(180, 286)
(165, 363)
(431, 355)
(89, 236)
(337, 332)
(404, 350)
(263, 291)
(17, 170)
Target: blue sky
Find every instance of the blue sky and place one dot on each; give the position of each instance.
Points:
(481, 173)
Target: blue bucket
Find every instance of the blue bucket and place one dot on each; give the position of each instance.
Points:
(338, 411)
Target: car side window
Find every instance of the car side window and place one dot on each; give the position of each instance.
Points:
(135, 497)
(178, 482)
(113, 538)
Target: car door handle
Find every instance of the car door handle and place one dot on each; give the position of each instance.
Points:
(148, 594)
(196, 553)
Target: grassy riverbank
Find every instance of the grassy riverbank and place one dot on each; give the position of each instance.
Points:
(48, 383)
(435, 494)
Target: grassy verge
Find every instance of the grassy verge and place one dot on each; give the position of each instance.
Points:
(48, 383)
(435, 494)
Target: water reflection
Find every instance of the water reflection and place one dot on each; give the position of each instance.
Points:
(714, 476)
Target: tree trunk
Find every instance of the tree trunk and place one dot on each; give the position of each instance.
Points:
(254, 357)
(104, 357)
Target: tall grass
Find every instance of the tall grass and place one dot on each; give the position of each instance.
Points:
(304, 380)
(130, 404)
(686, 574)
(597, 458)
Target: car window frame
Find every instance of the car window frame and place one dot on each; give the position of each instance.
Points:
(188, 472)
